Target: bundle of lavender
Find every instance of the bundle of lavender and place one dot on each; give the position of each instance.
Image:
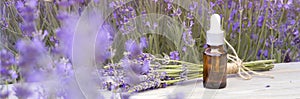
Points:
(145, 72)
(177, 73)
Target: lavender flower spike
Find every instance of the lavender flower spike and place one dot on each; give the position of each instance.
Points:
(174, 55)
(133, 48)
(22, 92)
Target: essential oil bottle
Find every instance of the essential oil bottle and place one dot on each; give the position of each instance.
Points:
(215, 56)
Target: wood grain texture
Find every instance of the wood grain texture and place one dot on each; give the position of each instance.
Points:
(285, 85)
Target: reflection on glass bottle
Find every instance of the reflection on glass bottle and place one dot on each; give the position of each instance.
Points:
(215, 56)
(215, 65)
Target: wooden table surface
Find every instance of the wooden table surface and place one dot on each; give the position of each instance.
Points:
(285, 85)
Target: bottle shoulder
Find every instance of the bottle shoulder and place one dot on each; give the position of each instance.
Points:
(215, 51)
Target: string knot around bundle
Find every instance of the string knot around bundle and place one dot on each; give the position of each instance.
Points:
(238, 67)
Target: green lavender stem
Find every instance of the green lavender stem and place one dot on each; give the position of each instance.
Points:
(247, 64)
(252, 65)
(255, 67)
(194, 75)
(172, 71)
(178, 80)
(194, 71)
(261, 65)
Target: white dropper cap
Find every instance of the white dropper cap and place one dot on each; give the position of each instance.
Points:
(215, 34)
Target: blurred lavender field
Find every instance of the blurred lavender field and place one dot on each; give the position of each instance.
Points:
(37, 39)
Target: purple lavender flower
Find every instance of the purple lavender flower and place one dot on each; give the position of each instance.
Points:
(132, 70)
(177, 12)
(292, 21)
(263, 7)
(187, 37)
(260, 21)
(33, 75)
(32, 58)
(133, 48)
(259, 53)
(250, 5)
(4, 95)
(164, 85)
(279, 5)
(190, 16)
(230, 4)
(125, 96)
(296, 40)
(183, 49)
(64, 67)
(169, 7)
(103, 43)
(287, 5)
(143, 42)
(271, 24)
(112, 4)
(253, 36)
(235, 26)
(65, 35)
(62, 15)
(28, 12)
(7, 58)
(145, 67)
(30, 51)
(122, 16)
(22, 92)
(174, 55)
(168, 1)
(191, 23)
(66, 3)
(136, 68)
(125, 20)
(287, 57)
(31, 3)
(212, 4)
(4, 75)
(8, 3)
(19, 5)
(96, 1)
(266, 53)
(3, 23)
(232, 14)
(13, 74)
(298, 59)
(193, 6)
(249, 24)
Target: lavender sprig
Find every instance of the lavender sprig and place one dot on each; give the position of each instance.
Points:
(171, 73)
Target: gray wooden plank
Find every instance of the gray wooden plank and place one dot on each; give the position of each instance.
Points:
(286, 84)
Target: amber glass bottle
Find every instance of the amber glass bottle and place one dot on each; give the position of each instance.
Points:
(215, 65)
(215, 56)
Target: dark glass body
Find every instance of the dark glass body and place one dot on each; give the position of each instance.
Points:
(215, 66)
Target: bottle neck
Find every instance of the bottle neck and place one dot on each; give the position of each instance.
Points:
(220, 47)
(214, 46)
